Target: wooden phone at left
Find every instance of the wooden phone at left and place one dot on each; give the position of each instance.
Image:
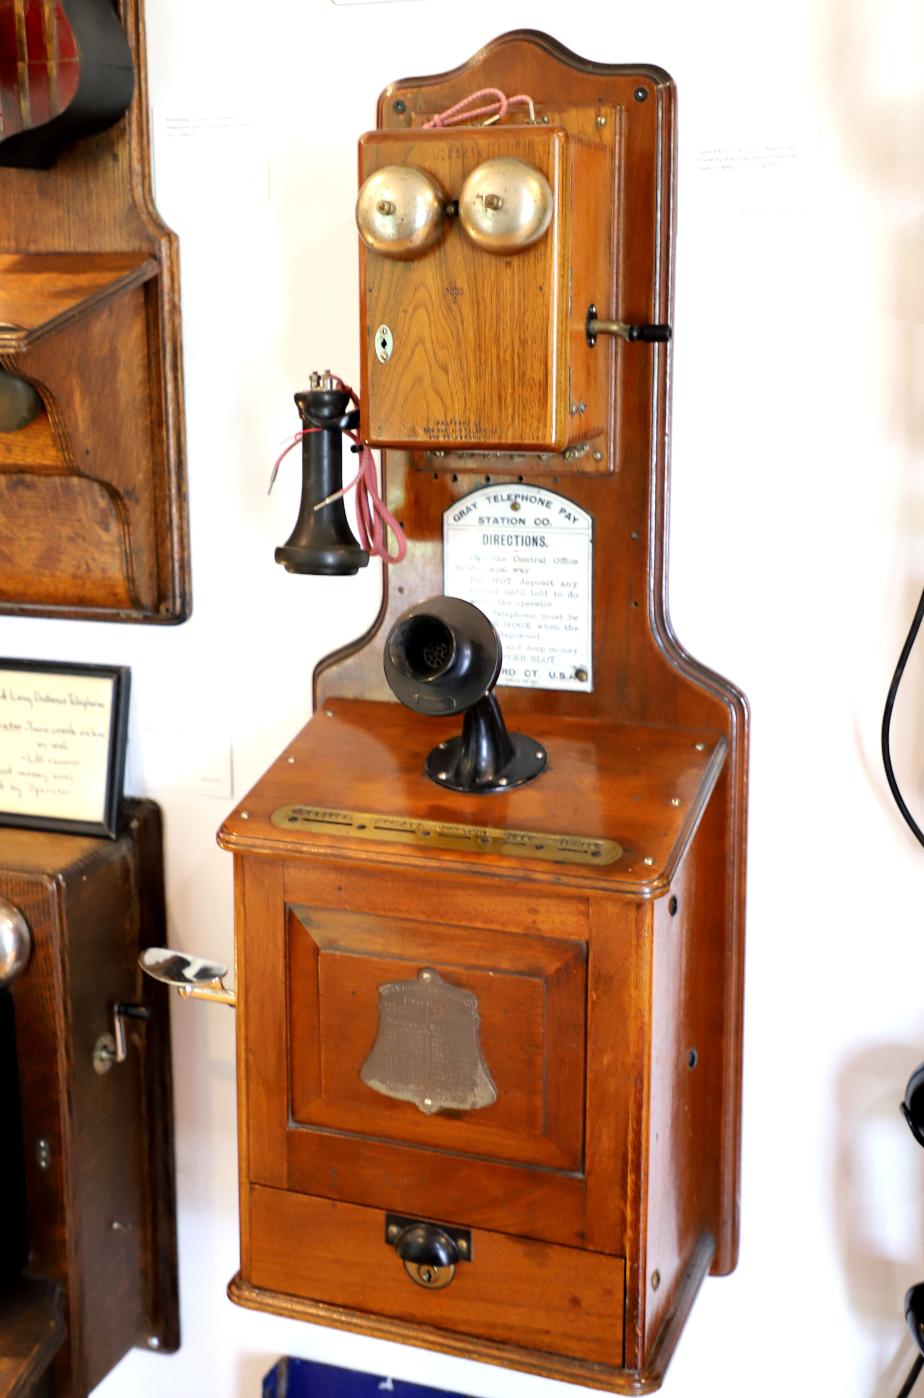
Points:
(92, 456)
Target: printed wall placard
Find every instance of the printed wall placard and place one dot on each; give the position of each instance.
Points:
(62, 745)
(524, 555)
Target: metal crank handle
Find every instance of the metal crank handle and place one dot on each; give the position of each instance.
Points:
(193, 977)
(647, 334)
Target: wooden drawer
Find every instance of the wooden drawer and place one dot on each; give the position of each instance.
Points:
(533, 1295)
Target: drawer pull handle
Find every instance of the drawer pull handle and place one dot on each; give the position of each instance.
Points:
(429, 1255)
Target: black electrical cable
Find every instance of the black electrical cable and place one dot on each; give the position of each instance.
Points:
(911, 1380)
(886, 723)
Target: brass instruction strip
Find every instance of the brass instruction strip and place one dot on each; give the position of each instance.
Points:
(476, 839)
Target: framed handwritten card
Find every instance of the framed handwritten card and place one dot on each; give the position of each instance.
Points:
(63, 731)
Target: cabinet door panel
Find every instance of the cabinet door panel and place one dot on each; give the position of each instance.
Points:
(528, 996)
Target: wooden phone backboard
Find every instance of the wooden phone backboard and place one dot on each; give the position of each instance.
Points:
(642, 673)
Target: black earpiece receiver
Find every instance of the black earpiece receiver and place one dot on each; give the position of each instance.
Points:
(913, 1105)
(444, 657)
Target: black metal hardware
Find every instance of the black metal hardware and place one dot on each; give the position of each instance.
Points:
(913, 1105)
(429, 1251)
(444, 657)
(398, 1228)
(645, 334)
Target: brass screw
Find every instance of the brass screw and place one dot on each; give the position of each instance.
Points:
(598, 456)
(648, 859)
(385, 206)
(290, 760)
(655, 1280)
(700, 747)
(601, 120)
(580, 674)
(462, 1246)
(493, 201)
(245, 815)
(393, 1230)
(675, 800)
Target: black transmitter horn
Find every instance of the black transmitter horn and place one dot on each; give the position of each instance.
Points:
(443, 657)
(322, 541)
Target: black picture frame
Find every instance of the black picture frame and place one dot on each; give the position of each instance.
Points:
(19, 701)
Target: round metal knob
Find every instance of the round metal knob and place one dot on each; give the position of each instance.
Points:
(429, 1255)
(15, 942)
(20, 403)
(506, 205)
(399, 211)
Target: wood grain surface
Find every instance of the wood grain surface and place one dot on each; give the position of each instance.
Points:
(643, 787)
(643, 673)
(101, 1216)
(456, 374)
(86, 265)
(550, 1298)
(640, 1093)
(32, 1328)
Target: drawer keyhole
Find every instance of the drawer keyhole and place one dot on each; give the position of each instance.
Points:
(429, 1254)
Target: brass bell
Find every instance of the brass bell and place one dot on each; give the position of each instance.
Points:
(399, 211)
(505, 205)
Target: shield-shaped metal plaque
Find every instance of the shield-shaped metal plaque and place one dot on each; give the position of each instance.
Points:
(428, 1049)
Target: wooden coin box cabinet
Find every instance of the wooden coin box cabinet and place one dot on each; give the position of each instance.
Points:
(512, 1021)
(88, 1247)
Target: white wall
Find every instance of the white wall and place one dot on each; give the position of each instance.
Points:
(798, 552)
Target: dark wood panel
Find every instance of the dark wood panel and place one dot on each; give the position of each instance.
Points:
(100, 1193)
(31, 1329)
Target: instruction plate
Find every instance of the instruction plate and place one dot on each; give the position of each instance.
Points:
(524, 555)
(473, 839)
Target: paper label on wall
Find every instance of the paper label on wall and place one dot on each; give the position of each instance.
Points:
(524, 555)
(55, 737)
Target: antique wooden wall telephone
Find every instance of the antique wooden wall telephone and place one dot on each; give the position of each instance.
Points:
(489, 985)
(92, 471)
